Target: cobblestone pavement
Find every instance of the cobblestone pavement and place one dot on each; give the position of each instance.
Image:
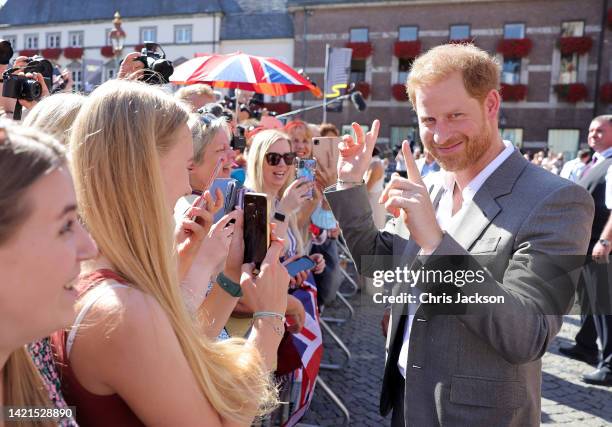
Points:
(566, 400)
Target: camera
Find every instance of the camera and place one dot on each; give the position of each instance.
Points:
(157, 69)
(22, 87)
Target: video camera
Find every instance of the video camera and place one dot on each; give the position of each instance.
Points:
(157, 68)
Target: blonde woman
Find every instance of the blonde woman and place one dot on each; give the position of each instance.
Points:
(41, 247)
(134, 355)
(55, 114)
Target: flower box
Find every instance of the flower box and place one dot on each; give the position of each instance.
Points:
(514, 48)
(364, 88)
(107, 51)
(605, 93)
(573, 92)
(51, 53)
(73, 52)
(610, 18)
(278, 107)
(410, 49)
(361, 50)
(28, 52)
(398, 91)
(513, 93)
(579, 45)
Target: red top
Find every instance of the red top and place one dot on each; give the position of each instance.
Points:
(92, 410)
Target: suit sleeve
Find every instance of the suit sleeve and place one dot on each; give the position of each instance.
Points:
(369, 247)
(538, 284)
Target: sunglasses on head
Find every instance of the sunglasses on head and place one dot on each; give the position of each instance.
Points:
(274, 159)
(208, 118)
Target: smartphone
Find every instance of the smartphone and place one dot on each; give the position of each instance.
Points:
(201, 201)
(256, 228)
(325, 150)
(222, 184)
(306, 168)
(301, 264)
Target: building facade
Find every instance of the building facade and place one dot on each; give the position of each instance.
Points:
(556, 58)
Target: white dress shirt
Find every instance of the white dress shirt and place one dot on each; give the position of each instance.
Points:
(602, 156)
(447, 221)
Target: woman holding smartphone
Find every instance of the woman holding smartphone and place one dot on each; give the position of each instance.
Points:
(134, 355)
(38, 228)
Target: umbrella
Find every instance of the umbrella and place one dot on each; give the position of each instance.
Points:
(241, 71)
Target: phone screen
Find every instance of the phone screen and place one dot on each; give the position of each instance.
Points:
(224, 185)
(301, 264)
(306, 168)
(256, 228)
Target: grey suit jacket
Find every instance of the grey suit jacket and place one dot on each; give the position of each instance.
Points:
(480, 367)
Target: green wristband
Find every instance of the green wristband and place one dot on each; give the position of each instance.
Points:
(229, 285)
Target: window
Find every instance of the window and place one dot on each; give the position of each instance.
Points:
(358, 70)
(107, 39)
(31, 41)
(53, 40)
(459, 32)
(572, 29)
(514, 135)
(359, 35)
(511, 71)
(77, 78)
(408, 34)
(12, 40)
(148, 34)
(182, 33)
(568, 70)
(110, 73)
(75, 39)
(514, 31)
(401, 133)
(403, 69)
(564, 141)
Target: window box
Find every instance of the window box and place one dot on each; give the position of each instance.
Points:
(361, 50)
(52, 53)
(579, 45)
(364, 88)
(513, 93)
(605, 93)
(514, 48)
(610, 18)
(28, 52)
(573, 92)
(73, 52)
(398, 91)
(278, 107)
(107, 51)
(409, 49)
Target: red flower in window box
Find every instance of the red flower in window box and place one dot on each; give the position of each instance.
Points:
(514, 48)
(409, 49)
(107, 51)
(361, 50)
(364, 88)
(605, 93)
(398, 91)
(610, 18)
(73, 52)
(28, 52)
(52, 53)
(462, 41)
(573, 92)
(513, 93)
(579, 45)
(138, 47)
(278, 107)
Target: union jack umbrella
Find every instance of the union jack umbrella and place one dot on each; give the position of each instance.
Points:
(241, 71)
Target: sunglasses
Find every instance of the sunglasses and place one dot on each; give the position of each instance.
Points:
(274, 159)
(208, 118)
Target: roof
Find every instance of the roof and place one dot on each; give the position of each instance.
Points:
(255, 19)
(41, 12)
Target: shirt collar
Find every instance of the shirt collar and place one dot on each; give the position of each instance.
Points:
(604, 154)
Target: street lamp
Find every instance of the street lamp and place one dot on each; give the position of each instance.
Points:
(117, 37)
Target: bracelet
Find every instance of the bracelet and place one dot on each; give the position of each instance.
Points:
(278, 329)
(229, 286)
(262, 314)
(342, 182)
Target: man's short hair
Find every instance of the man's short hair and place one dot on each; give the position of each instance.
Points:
(480, 71)
(604, 118)
(327, 128)
(198, 89)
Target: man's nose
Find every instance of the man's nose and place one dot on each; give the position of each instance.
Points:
(441, 133)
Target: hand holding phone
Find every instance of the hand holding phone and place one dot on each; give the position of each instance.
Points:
(303, 263)
(306, 168)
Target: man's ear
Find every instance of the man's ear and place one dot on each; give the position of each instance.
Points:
(492, 104)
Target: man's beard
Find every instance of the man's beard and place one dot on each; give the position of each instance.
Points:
(473, 149)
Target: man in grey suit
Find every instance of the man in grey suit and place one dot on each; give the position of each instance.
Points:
(466, 364)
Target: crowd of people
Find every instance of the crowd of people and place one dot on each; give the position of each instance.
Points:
(141, 310)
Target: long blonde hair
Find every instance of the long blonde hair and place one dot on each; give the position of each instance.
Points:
(116, 142)
(55, 114)
(260, 145)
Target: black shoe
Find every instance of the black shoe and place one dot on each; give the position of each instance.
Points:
(580, 353)
(601, 376)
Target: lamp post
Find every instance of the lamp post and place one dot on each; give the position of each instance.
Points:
(117, 37)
